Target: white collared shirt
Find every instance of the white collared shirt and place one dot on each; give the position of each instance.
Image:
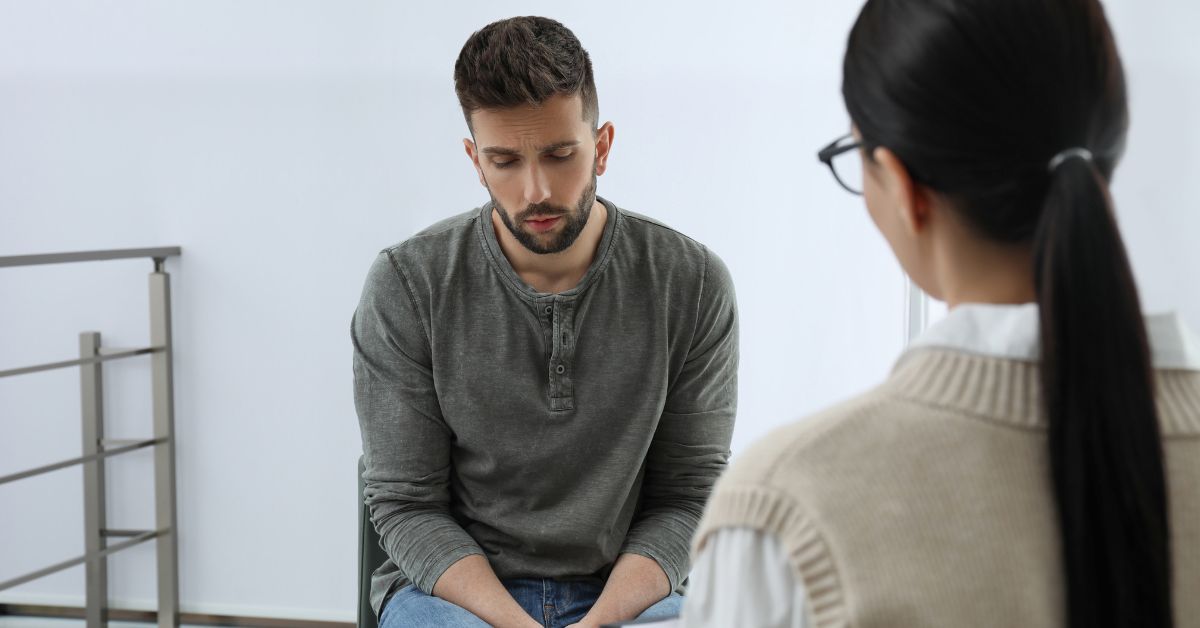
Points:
(742, 576)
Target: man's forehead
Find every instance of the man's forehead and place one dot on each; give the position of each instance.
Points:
(556, 122)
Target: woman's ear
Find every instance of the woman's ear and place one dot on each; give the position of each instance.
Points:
(908, 199)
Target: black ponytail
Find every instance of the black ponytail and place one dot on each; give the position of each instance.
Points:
(1105, 448)
(976, 98)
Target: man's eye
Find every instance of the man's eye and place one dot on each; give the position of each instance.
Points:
(562, 155)
(504, 164)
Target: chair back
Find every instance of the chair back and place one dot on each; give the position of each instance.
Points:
(370, 556)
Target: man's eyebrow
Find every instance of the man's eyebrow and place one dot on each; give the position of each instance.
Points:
(549, 148)
(558, 146)
(499, 150)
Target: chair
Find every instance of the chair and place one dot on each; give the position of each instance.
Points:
(370, 556)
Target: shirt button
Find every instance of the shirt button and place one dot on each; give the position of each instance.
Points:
(547, 310)
(560, 369)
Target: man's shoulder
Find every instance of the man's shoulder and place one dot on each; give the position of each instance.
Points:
(432, 251)
(421, 259)
(642, 228)
(434, 239)
(651, 243)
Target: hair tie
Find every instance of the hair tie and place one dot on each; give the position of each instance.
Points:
(1080, 152)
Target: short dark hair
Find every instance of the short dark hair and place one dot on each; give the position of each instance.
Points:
(523, 61)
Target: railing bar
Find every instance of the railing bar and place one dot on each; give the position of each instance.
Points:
(88, 256)
(74, 461)
(67, 564)
(120, 442)
(128, 353)
(120, 533)
(113, 350)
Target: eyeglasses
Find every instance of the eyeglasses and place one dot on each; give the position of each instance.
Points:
(844, 162)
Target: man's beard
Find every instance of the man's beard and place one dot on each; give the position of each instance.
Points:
(574, 221)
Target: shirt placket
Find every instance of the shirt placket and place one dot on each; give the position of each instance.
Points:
(559, 316)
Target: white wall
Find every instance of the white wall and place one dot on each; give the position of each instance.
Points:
(282, 144)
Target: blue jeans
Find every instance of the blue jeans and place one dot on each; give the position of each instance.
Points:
(554, 603)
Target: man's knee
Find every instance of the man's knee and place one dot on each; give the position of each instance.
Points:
(665, 608)
(412, 608)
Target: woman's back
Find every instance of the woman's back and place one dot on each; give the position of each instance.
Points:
(927, 501)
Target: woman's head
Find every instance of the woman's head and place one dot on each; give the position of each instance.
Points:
(961, 107)
(972, 99)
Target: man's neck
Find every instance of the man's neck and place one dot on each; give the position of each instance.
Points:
(554, 272)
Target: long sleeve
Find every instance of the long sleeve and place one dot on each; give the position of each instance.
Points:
(742, 578)
(690, 447)
(406, 443)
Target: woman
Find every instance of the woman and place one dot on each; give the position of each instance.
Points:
(1033, 459)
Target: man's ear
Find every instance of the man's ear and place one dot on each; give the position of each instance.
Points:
(474, 156)
(604, 141)
(909, 199)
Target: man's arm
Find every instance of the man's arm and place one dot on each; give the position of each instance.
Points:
(471, 584)
(406, 447)
(635, 584)
(688, 453)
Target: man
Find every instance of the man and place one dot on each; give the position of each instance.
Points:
(546, 385)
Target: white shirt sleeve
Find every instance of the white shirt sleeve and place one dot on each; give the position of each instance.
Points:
(742, 578)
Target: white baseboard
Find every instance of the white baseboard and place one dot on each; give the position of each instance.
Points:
(237, 610)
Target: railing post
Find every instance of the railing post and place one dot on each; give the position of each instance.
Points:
(94, 504)
(916, 311)
(164, 454)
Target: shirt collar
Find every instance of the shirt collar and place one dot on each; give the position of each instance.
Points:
(491, 245)
(1011, 331)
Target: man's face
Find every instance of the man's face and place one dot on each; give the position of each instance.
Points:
(540, 166)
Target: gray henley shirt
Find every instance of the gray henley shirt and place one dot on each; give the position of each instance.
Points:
(548, 432)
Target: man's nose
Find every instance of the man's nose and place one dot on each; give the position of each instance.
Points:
(537, 186)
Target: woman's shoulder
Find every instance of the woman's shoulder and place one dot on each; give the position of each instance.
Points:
(804, 442)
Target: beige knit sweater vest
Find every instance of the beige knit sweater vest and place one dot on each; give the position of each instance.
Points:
(927, 501)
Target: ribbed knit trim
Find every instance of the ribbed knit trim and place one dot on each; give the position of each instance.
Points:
(1179, 402)
(1009, 391)
(773, 512)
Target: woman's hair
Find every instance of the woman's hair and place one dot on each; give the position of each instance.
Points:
(976, 98)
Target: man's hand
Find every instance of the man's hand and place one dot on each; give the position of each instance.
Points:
(635, 584)
(471, 584)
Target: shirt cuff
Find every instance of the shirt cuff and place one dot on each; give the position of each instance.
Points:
(676, 571)
(436, 564)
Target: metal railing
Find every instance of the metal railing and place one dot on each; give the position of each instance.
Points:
(96, 448)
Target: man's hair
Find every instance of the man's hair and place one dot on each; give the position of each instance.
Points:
(523, 61)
